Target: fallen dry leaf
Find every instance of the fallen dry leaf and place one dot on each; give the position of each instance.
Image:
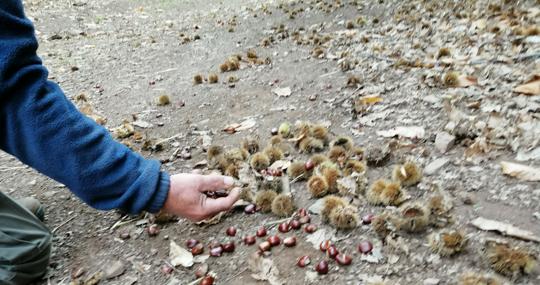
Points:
(180, 255)
(530, 87)
(466, 81)
(504, 229)
(282, 92)
(520, 171)
(263, 269)
(408, 132)
(245, 125)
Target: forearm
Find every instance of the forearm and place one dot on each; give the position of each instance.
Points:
(43, 129)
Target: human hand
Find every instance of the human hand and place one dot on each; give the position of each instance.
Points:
(186, 196)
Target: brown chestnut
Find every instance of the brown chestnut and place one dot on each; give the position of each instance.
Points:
(274, 131)
(304, 219)
(228, 247)
(231, 231)
(365, 247)
(250, 209)
(310, 228)
(366, 219)
(261, 232)
(197, 249)
(343, 259)
(216, 251)
(295, 224)
(153, 230)
(322, 267)
(303, 261)
(208, 280)
(265, 246)
(309, 165)
(284, 227)
(289, 241)
(324, 245)
(274, 240)
(302, 212)
(249, 240)
(332, 251)
(166, 269)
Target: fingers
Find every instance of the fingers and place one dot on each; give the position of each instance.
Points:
(215, 182)
(214, 206)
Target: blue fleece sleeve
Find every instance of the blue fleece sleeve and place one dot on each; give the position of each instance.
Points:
(42, 128)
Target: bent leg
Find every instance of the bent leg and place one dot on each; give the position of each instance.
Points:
(25, 244)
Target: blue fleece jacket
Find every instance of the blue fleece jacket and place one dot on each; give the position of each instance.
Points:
(43, 129)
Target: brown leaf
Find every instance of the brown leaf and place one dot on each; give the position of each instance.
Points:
(466, 80)
(504, 229)
(520, 171)
(530, 87)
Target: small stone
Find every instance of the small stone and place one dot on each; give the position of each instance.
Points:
(435, 165)
(444, 141)
(431, 281)
(115, 269)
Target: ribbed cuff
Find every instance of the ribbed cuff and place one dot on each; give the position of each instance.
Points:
(162, 191)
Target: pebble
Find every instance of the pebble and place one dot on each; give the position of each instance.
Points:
(431, 281)
(435, 165)
(444, 141)
(115, 269)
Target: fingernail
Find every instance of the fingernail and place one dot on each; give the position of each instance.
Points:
(229, 181)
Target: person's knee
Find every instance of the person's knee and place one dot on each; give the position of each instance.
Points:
(28, 261)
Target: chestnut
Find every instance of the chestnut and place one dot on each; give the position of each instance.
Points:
(295, 224)
(303, 261)
(302, 212)
(332, 251)
(366, 219)
(216, 251)
(289, 241)
(284, 227)
(265, 246)
(249, 240)
(197, 249)
(322, 267)
(228, 247)
(250, 209)
(310, 228)
(274, 131)
(304, 219)
(343, 259)
(190, 243)
(208, 280)
(231, 231)
(309, 165)
(274, 240)
(166, 269)
(153, 230)
(365, 247)
(261, 232)
(324, 245)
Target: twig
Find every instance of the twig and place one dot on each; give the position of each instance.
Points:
(297, 178)
(63, 224)
(121, 223)
(169, 138)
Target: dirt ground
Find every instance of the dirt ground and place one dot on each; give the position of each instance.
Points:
(124, 54)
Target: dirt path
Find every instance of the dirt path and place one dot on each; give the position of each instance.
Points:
(124, 54)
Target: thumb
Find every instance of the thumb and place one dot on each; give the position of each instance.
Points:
(214, 206)
(215, 182)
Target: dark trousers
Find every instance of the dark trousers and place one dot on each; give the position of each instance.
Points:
(25, 244)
